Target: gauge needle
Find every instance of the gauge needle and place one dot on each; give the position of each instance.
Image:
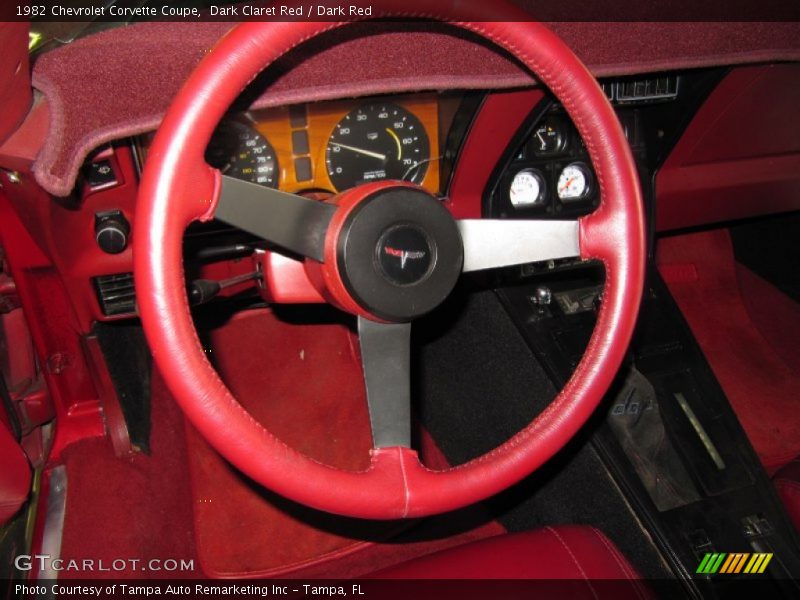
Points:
(541, 139)
(566, 185)
(360, 151)
(397, 141)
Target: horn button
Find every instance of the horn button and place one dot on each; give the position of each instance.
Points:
(405, 254)
(399, 253)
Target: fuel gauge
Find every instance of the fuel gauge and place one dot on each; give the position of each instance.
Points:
(549, 138)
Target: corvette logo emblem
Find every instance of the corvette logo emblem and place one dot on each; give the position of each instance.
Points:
(404, 255)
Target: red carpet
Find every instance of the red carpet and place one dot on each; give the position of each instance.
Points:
(751, 344)
(304, 382)
(774, 314)
(137, 507)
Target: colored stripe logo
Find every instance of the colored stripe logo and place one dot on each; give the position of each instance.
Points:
(734, 562)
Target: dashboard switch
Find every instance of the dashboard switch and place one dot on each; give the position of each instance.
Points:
(100, 174)
(111, 231)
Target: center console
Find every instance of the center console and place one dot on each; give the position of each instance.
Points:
(668, 434)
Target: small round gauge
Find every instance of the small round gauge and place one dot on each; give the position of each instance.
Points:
(375, 142)
(574, 183)
(238, 150)
(548, 139)
(527, 189)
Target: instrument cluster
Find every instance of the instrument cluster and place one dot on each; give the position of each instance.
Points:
(328, 147)
(549, 173)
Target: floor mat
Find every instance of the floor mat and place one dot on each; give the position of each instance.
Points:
(304, 382)
(762, 386)
(479, 382)
(136, 507)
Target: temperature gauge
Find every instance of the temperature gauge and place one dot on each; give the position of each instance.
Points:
(574, 183)
(527, 189)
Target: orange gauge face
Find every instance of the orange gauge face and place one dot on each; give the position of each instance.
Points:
(238, 150)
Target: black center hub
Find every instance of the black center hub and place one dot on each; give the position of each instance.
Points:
(399, 253)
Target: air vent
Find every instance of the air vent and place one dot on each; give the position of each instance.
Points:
(116, 294)
(608, 89)
(646, 90)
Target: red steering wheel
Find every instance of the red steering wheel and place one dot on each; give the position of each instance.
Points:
(361, 247)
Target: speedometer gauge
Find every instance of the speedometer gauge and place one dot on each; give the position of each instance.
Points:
(238, 150)
(375, 142)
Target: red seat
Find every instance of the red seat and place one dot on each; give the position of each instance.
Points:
(787, 482)
(15, 475)
(580, 553)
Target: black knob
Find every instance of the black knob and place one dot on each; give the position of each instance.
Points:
(111, 231)
(201, 291)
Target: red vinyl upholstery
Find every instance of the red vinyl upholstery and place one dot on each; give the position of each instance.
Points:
(787, 482)
(566, 552)
(15, 475)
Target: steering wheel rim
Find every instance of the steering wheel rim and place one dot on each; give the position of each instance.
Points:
(178, 187)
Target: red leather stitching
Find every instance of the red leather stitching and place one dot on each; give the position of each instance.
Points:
(406, 491)
(623, 564)
(574, 560)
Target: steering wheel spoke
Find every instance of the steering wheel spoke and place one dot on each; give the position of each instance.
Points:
(494, 243)
(288, 220)
(386, 359)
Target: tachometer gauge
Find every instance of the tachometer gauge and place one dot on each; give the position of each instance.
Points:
(574, 183)
(240, 151)
(375, 142)
(527, 189)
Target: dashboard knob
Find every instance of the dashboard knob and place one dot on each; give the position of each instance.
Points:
(111, 231)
